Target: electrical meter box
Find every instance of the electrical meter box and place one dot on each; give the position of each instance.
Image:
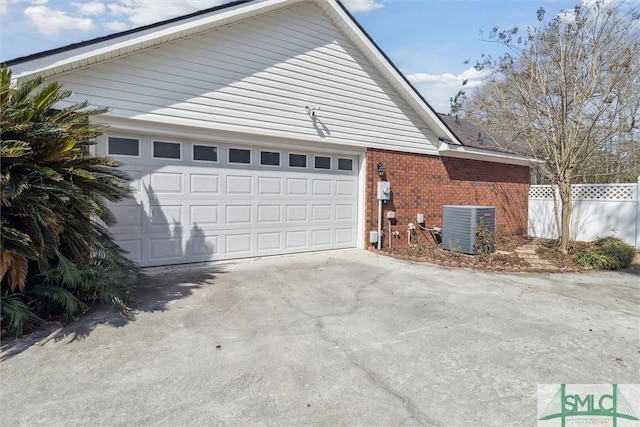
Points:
(384, 190)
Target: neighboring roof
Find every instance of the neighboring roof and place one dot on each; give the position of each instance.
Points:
(478, 144)
(472, 135)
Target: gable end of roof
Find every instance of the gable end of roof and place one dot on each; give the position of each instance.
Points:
(73, 46)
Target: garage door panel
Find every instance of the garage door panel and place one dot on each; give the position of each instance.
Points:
(166, 182)
(187, 212)
(238, 214)
(165, 215)
(345, 188)
(321, 238)
(133, 249)
(238, 184)
(165, 248)
(321, 212)
(297, 187)
(296, 213)
(202, 184)
(269, 214)
(269, 186)
(321, 187)
(345, 237)
(203, 245)
(128, 216)
(238, 244)
(345, 212)
(269, 241)
(296, 239)
(136, 175)
(204, 215)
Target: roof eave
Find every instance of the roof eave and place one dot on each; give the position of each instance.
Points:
(470, 153)
(350, 26)
(107, 48)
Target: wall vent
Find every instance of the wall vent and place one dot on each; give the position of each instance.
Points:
(459, 226)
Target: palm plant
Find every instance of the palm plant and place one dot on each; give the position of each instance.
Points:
(56, 253)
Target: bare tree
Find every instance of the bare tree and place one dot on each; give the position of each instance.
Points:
(570, 90)
(457, 103)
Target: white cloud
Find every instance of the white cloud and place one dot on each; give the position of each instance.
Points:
(127, 13)
(91, 8)
(362, 5)
(4, 4)
(121, 10)
(437, 89)
(50, 22)
(600, 3)
(143, 12)
(116, 25)
(568, 16)
(472, 76)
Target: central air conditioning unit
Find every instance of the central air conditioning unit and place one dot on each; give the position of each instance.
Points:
(459, 225)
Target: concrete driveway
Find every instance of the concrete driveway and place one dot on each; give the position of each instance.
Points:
(335, 338)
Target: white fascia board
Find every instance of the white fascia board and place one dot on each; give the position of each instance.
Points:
(382, 63)
(111, 48)
(471, 153)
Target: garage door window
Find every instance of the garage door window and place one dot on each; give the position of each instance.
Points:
(345, 164)
(237, 155)
(298, 160)
(269, 158)
(124, 147)
(166, 150)
(205, 153)
(322, 162)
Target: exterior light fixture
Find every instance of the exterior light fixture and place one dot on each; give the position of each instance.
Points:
(312, 111)
(381, 170)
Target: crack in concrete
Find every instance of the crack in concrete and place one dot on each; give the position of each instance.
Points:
(406, 401)
(414, 412)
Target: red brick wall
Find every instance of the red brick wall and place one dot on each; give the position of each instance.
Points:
(423, 184)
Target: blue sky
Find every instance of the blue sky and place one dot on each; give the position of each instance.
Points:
(429, 40)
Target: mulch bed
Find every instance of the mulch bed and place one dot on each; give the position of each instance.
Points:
(505, 259)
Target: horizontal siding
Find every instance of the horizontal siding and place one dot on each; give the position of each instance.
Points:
(256, 77)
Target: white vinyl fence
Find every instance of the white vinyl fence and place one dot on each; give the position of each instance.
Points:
(598, 210)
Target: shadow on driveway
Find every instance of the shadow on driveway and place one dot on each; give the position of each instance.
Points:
(331, 338)
(157, 289)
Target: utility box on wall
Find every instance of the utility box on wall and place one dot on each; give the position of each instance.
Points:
(459, 225)
(384, 190)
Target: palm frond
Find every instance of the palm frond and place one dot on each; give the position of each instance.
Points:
(54, 196)
(51, 293)
(17, 317)
(13, 269)
(12, 148)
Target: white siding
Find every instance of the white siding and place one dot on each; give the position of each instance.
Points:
(256, 77)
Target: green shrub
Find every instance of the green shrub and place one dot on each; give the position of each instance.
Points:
(57, 255)
(608, 253)
(484, 244)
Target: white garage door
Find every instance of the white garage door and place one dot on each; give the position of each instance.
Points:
(198, 201)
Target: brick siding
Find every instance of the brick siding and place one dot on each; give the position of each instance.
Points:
(423, 184)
